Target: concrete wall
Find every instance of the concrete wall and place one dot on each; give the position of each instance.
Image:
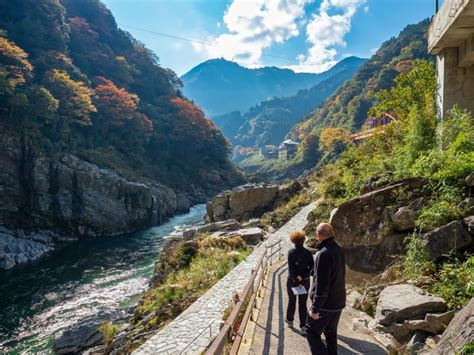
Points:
(455, 83)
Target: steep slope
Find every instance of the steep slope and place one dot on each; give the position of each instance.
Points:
(271, 120)
(96, 137)
(220, 86)
(348, 107)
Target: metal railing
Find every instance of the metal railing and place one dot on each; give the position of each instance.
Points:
(231, 333)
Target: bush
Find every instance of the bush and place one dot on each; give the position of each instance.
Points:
(455, 282)
(286, 211)
(417, 262)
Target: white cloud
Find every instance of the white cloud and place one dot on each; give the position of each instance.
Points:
(254, 26)
(325, 31)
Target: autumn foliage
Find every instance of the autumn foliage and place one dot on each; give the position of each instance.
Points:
(331, 137)
(72, 81)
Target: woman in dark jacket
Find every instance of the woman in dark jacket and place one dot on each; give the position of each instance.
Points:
(300, 264)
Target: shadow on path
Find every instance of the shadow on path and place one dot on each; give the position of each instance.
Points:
(273, 303)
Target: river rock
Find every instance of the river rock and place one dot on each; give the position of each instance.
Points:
(249, 201)
(459, 332)
(251, 236)
(78, 338)
(253, 222)
(441, 241)
(230, 224)
(369, 230)
(404, 302)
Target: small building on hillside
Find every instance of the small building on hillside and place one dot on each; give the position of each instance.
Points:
(269, 152)
(287, 150)
(372, 126)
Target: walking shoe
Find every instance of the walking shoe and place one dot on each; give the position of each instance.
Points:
(289, 322)
(303, 331)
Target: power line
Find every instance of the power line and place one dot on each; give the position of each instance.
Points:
(197, 41)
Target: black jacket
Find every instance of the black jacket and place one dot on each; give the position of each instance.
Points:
(300, 263)
(328, 292)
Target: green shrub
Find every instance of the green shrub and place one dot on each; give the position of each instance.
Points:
(455, 282)
(417, 262)
(214, 259)
(286, 211)
(108, 330)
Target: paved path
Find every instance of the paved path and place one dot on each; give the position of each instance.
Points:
(269, 334)
(193, 330)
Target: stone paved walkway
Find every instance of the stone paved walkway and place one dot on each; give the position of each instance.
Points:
(193, 330)
(270, 335)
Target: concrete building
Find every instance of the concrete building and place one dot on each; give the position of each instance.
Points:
(451, 39)
(287, 150)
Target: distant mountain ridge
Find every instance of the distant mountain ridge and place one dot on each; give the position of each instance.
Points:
(270, 120)
(220, 86)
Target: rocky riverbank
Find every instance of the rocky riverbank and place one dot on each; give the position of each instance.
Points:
(50, 200)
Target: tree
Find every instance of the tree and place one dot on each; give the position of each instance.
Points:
(332, 138)
(116, 106)
(411, 91)
(15, 68)
(75, 102)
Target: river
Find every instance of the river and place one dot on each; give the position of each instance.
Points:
(42, 298)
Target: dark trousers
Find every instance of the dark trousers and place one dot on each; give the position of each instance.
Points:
(325, 324)
(302, 308)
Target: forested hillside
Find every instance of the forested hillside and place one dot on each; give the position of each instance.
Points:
(270, 121)
(220, 86)
(348, 107)
(72, 82)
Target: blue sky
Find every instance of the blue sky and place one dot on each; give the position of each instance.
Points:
(308, 35)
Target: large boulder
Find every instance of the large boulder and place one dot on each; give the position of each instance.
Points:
(405, 302)
(441, 241)
(369, 227)
(251, 236)
(459, 332)
(249, 201)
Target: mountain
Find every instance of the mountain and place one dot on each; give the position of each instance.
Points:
(96, 138)
(349, 105)
(270, 121)
(220, 86)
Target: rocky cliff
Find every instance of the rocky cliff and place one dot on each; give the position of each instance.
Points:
(47, 200)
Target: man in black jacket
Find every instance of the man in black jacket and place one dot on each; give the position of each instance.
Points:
(328, 293)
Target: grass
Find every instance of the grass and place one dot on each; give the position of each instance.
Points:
(452, 280)
(214, 259)
(286, 211)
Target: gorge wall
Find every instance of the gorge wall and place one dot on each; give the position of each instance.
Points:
(48, 200)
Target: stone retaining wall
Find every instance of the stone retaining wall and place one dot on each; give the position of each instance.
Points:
(194, 329)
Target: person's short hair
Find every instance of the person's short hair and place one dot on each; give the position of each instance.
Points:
(297, 237)
(325, 230)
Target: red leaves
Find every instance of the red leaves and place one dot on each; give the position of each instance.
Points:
(116, 105)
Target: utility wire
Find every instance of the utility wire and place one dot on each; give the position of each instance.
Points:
(196, 41)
